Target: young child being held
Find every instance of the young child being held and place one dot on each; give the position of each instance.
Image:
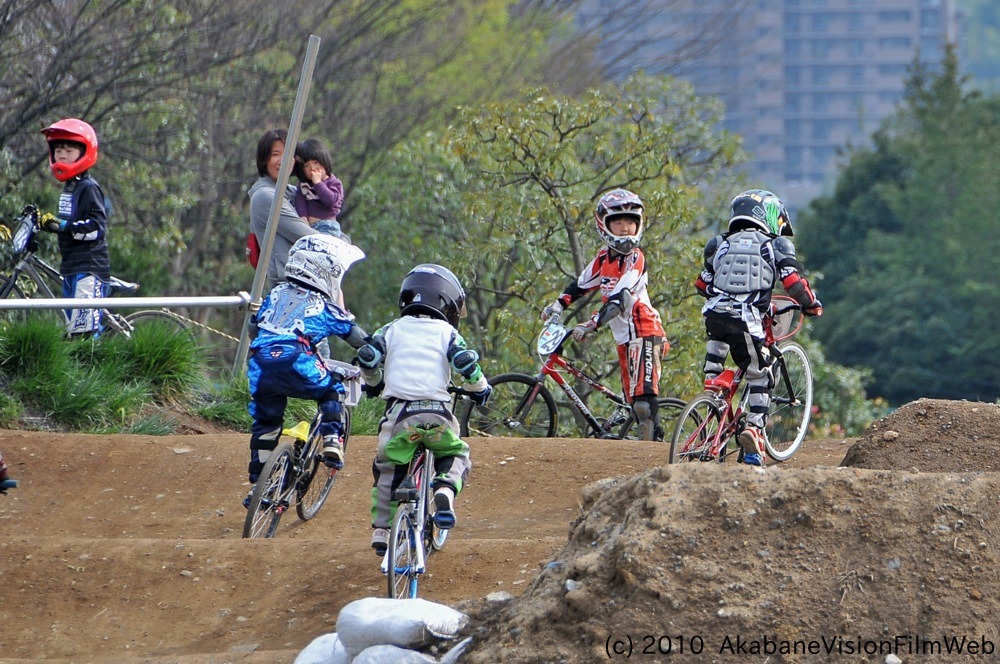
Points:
(320, 194)
(284, 361)
(414, 356)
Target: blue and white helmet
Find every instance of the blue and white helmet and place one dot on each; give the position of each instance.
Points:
(320, 261)
(615, 203)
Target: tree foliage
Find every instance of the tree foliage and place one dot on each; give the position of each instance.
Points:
(906, 245)
(506, 198)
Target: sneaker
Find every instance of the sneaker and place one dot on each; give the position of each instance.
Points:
(444, 508)
(333, 452)
(752, 441)
(246, 501)
(380, 541)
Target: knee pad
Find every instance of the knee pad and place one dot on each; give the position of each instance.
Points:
(266, 440)
(645, 408)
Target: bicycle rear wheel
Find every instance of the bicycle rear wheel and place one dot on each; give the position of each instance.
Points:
(697, 427)
(270, 499)
(668, 409)
(401, 561)
(434, 537)
(520, 407)
(791, 402)
(317, 482)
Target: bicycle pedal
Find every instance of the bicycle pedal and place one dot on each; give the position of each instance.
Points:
(404, 495)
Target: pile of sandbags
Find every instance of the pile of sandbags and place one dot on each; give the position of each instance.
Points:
(377, 630)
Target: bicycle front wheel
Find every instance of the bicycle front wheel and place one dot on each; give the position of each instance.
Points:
(9, 289)
(791, 402)
(698, 426)
(270, 498)
(162, 319)
(668, 409)
(520, 407)
(402, 555)
(318, 480)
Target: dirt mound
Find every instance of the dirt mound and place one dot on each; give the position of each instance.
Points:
(931, 435)
(714, 562)
(127, 549)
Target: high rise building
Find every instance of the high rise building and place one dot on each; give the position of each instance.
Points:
(800, 79)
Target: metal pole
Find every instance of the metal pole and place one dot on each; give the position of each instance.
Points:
(240, 301)
(260, 276)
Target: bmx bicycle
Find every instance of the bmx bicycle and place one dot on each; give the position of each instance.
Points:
(27, 273)
(522, 406)
(414, 535)
(296, 473)
(709, 424)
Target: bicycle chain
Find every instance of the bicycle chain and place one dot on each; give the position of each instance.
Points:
(202, 325)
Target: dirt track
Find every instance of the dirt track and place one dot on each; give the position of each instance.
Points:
(128, 548)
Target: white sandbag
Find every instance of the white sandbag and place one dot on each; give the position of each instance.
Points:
(407, 623)
(326, 649)
(392, 655)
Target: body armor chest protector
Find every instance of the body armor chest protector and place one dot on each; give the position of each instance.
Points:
(744, 264)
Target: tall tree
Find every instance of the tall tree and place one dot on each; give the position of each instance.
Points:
(506, 198)
(904, 243)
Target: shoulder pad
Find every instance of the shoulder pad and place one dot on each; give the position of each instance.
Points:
(712, 246)
(783, 246)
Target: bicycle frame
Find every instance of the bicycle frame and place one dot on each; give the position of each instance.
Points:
(714, 418)
(554, 366)
(412, 497)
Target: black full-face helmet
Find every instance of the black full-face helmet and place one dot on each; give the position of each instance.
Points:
(432, 290)
(761, 210)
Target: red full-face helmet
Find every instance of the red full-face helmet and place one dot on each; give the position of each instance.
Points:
(76, 131)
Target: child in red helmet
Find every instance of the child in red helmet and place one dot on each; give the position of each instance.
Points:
(82, 221)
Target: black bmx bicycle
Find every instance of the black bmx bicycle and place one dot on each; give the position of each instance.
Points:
(295, 473)
(27, 275)
(522, 406)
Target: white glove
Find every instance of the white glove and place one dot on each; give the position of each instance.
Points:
(553, 309)
(583, 331)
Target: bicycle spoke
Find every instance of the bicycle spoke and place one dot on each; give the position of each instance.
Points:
(696, 430)
(514, 410)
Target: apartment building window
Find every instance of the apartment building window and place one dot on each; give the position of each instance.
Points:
(855, 20)
(855, 48)
(821, 130)
(793, 75)
(793, 103)
(900, 16)
(793, 22)
(793, 47)
(897, 69)
(820, 22)
(820, 75)
(820, 48)
(894, 43)
(793, 129)
(855, 74)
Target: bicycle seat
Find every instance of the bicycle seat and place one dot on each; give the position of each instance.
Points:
(299, 432)
(122, 286)
(722, 382)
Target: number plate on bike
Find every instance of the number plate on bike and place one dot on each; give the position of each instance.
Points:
(23, 234)
(550, 338)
